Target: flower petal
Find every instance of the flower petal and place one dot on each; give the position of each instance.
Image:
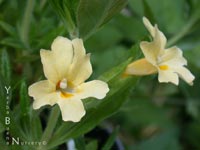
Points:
(148, 51)
(41, 88)
(95, 88)
(159, 40)
(168, 76)
(185, 74)
(140, 67)
(63, 54)
(56, 62)
(49, 99)
(81, 68)
(43, 93)
(159, 37)
(155, 48)
(149, 26)
(173, 56)
(71, 109)
(49, 65)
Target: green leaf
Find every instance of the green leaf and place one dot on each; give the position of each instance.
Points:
(5, 66)
(192, 133)
(66, 10)
(79, 20)
(93, 145)
(114, 72)
(8, 28)
(167, 140)
(36, 126)
(24, 100)
(80, 143)
(109, 143)
(2, 128)
(10, 41)
(147, 11)
(2, 100)
(171, 21)
(102, 11)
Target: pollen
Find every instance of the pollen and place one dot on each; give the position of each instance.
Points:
(164, 67)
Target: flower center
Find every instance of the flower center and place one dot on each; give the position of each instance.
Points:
(163, 67)
(65, 90)
(63, 84)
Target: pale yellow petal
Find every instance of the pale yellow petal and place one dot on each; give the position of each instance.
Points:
(43, 93)
(49, 99)
(159, 40)
(81, 68)
(140, 67)
(41, 88)
(168, 76)
(158, 36)
(149, 26)
(173, 56)
(148, 51)
(71, 109)
(63, 53)
(49, 66)
(95, 88)
(185, 74)
(79, 50)
(155, 48)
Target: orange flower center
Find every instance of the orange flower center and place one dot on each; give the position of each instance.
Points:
(65, 91)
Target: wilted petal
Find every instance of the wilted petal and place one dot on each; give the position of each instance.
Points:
(95, 88)
(140, 67)
(185, 74)
(168, 76)
(71, 109)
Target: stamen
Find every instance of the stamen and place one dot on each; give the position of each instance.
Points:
(63, 84)
(164, 67)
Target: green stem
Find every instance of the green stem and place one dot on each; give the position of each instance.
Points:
(184, 31)
(26, 22)
(53, 118)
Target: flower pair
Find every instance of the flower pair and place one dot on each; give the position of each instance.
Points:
(67, 67)
(169, 63)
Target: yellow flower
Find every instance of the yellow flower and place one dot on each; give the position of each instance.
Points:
(66, 68)
(169, 63)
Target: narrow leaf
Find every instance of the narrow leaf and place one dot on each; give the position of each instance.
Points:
(102, 11)
(7, 28)
(109, 143)
(5, 66)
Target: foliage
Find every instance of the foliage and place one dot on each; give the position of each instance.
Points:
(149, 115)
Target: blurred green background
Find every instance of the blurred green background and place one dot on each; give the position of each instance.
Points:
(156, 116)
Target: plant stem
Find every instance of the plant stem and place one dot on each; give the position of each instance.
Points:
(184, 31)
(53, 118)
(26, 22)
